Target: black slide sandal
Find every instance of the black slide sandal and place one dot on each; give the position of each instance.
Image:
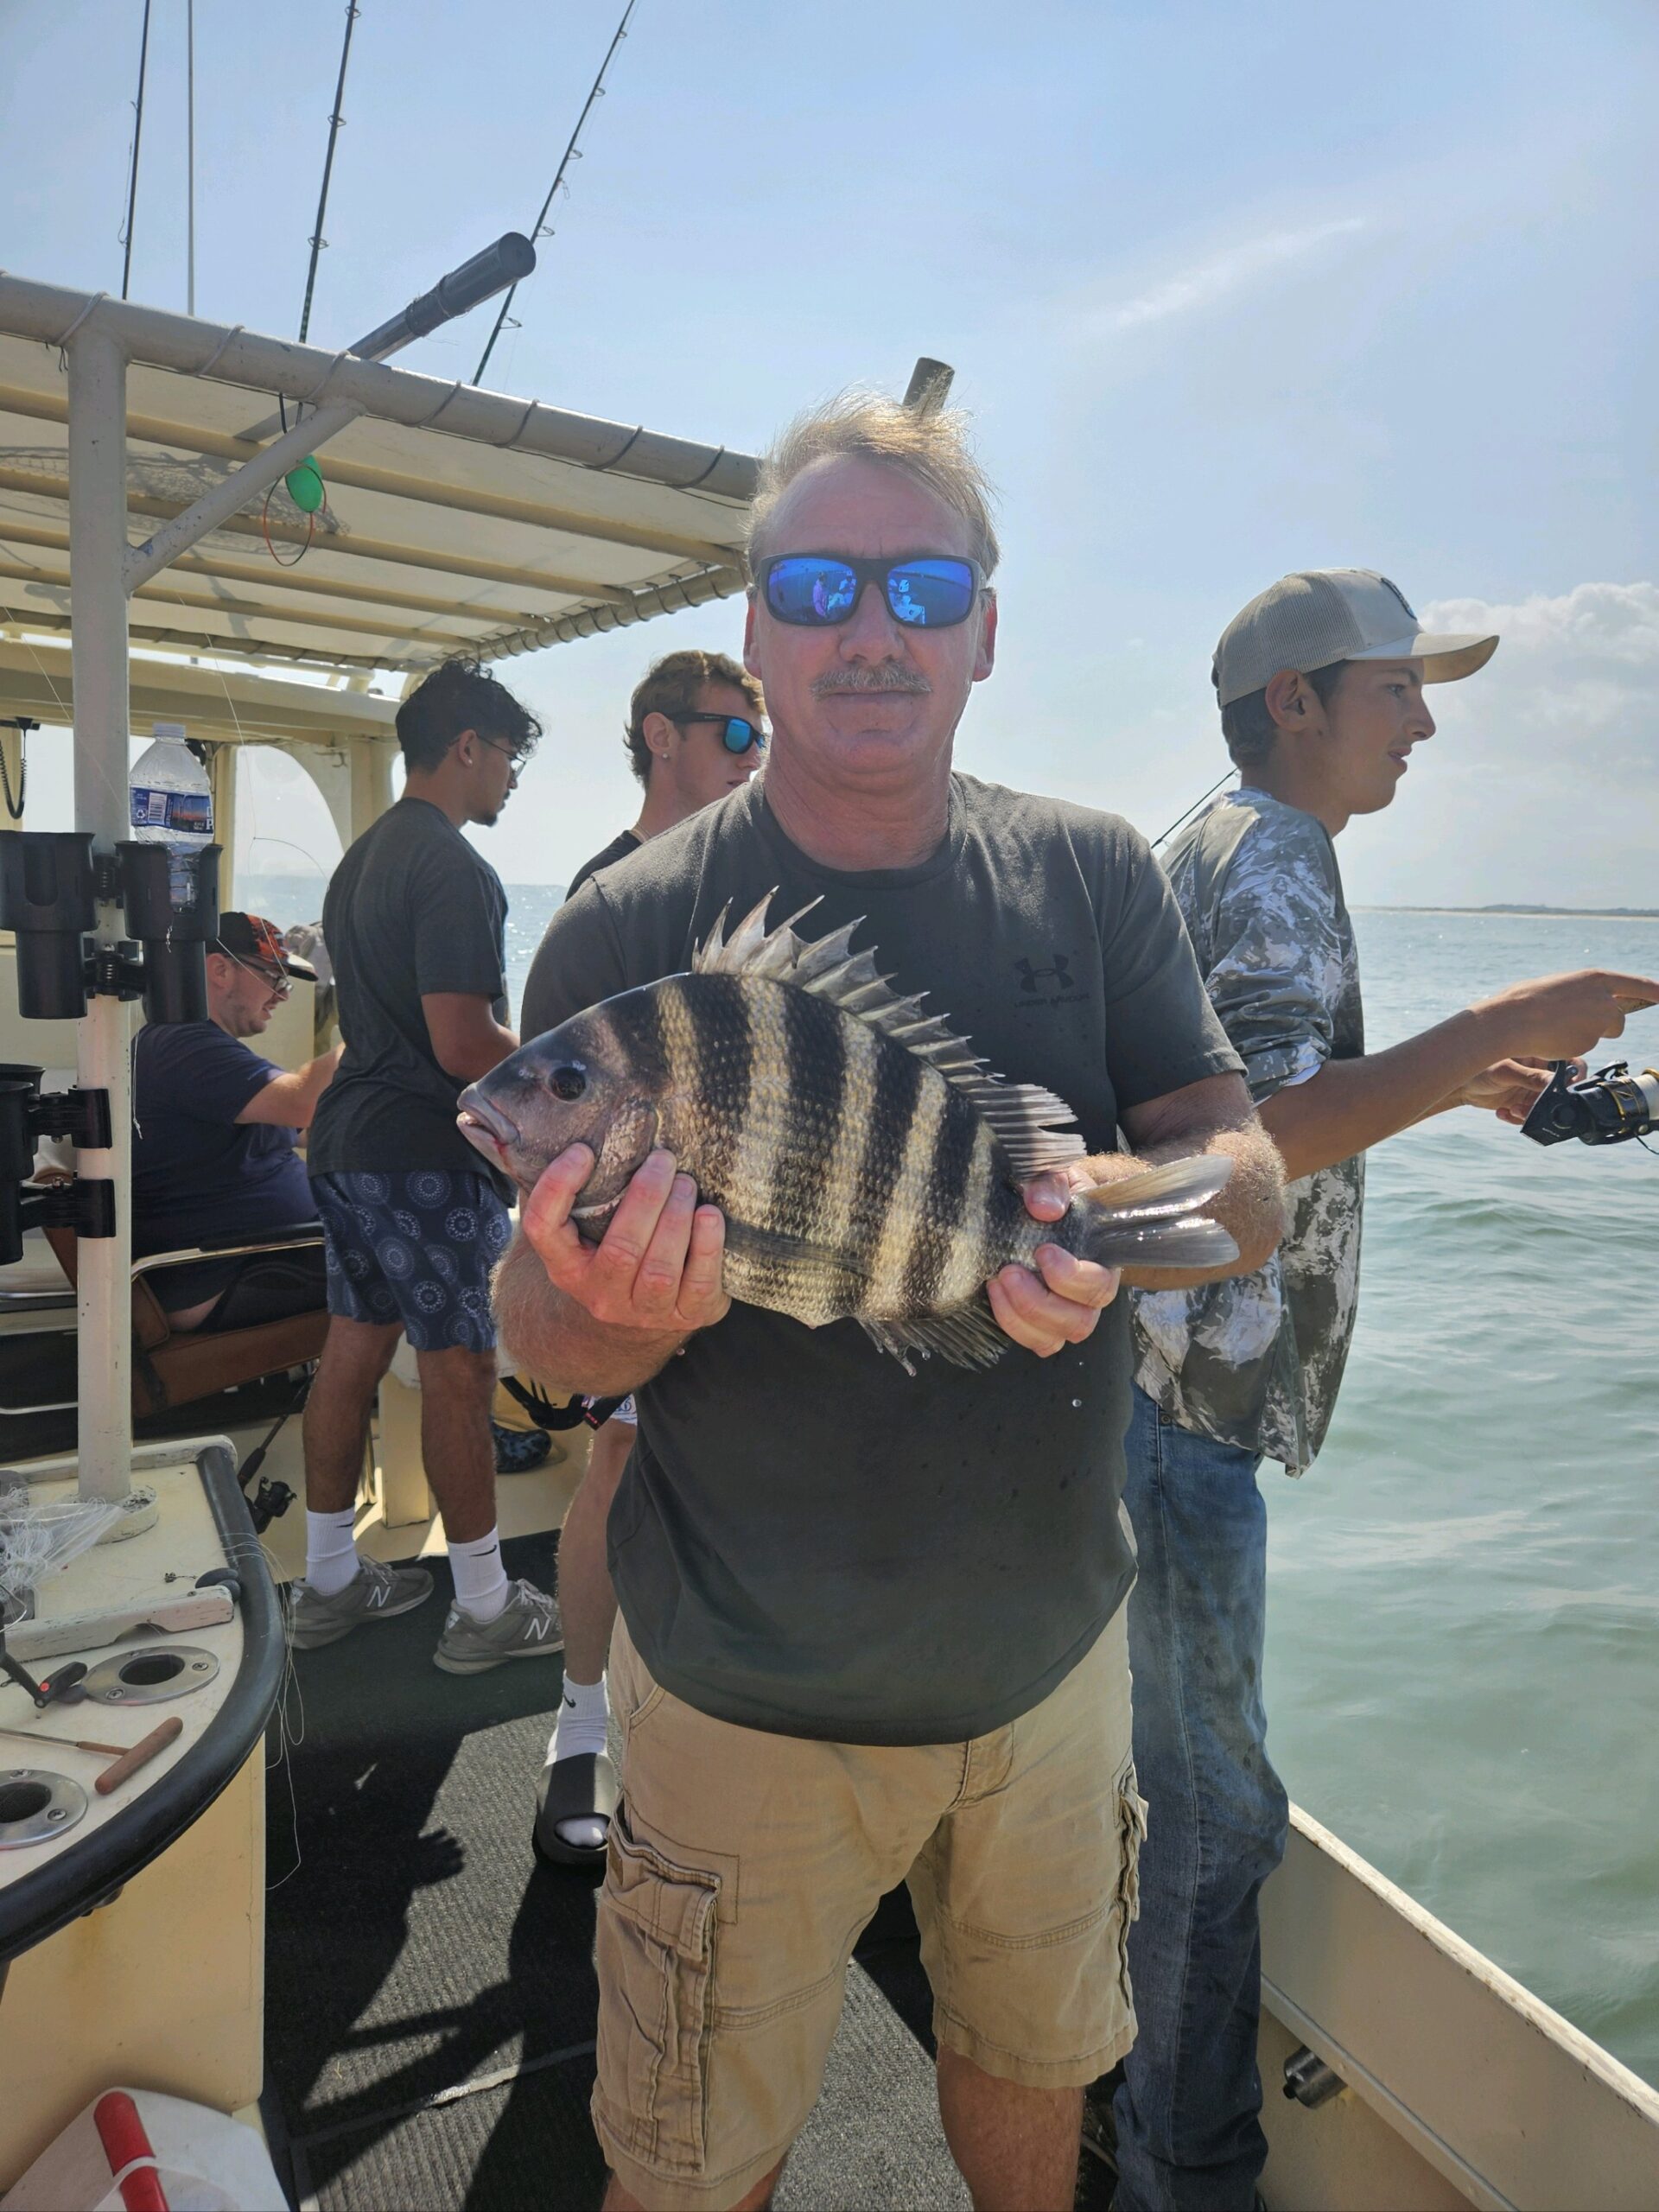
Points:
(581, 1788)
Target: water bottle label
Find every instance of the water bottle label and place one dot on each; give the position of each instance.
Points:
(189, 814)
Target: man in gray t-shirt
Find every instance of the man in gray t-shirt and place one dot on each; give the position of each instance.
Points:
(1320, 683)
(872, 1622)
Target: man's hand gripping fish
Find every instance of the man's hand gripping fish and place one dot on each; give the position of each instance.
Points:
(866, 1161)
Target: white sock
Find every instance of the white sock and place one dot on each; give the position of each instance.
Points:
(584, 1718)
(330, 1553)
(481, 1579)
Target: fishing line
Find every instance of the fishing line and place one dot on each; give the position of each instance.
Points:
(542, 228)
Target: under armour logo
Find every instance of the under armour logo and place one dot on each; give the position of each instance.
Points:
(1060, 973)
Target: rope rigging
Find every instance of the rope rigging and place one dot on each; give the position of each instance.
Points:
(542, 228)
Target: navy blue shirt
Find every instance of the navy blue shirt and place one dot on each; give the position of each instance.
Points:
(197, 1172)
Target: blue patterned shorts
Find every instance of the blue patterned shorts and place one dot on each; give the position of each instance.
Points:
(414, 1248)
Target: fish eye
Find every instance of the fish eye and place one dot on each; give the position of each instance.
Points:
(568, 1082)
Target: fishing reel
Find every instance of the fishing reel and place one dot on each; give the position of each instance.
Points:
(1605, 1108)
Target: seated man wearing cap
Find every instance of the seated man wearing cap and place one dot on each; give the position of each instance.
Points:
(1320, 682)
(213, 1136)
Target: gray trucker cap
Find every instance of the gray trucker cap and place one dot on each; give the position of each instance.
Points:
(1320, 615)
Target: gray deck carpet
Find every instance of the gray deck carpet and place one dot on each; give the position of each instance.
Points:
(430, 1997)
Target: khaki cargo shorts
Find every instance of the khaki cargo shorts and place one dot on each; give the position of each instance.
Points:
(743, 1867)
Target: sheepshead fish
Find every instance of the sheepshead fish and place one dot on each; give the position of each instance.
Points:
(868, 1163)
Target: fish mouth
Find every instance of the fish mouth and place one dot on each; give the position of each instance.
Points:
(485, 1126)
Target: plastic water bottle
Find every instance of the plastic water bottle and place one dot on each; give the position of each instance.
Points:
(173, 805)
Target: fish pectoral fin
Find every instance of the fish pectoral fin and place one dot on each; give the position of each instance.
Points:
(967, 1335)
(1178, 1186)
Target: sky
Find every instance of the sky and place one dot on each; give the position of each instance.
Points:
(1228, 291)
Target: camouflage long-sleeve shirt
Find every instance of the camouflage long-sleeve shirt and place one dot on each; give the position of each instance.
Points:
(1257, 1360)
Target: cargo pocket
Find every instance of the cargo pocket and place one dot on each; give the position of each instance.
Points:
(1131, 1835)
(655, 1957)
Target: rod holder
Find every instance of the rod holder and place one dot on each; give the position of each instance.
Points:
(174, 938)
(47, 901)
(83, 1204)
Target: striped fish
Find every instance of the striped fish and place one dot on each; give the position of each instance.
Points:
(868, 1163)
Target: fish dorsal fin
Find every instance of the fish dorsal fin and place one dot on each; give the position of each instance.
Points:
(1022, 1115)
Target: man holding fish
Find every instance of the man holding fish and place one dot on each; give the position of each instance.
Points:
(871, 1569)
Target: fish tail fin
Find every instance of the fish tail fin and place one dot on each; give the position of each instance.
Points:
(1152, 1220)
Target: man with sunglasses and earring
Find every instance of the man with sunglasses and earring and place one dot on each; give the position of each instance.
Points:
(695, 733)
(872, 1621)
(414, 921)
(214, 1126)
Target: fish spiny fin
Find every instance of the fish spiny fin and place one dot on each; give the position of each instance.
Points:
(967, 1335)
(1022, 1115)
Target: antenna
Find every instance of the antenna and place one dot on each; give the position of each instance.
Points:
(190, 154)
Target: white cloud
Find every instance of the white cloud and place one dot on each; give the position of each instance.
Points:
(1543, 785)
(1230, 271)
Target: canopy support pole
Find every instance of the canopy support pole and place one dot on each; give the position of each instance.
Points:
(97, 544)
(234, 492)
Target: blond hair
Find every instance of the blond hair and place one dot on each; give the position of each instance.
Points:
(932, 449)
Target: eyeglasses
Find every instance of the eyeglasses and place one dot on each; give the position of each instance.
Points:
(737, 734)
(275, 982)
(517, 753)
(816, 591)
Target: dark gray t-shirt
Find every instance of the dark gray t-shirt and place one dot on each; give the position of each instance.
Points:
(621, 845)
(411, 908)
(807, 1539)
(1257, 1360)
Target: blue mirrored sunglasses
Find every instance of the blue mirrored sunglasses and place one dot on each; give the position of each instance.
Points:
(736, 734)
(817, 590)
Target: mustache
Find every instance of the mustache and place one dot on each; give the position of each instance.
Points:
(889, 676)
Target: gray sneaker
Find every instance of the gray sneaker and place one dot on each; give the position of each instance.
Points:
(375, 1592)
(527, 1627)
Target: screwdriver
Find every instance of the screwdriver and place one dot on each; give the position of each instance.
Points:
(128, 1758)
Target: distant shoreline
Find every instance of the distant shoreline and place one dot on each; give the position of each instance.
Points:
(1534, 913)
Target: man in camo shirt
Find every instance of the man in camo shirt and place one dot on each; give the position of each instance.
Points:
(1320, 684)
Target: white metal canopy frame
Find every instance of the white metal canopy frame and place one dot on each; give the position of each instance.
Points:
(478, 524)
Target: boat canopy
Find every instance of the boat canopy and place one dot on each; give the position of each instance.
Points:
(453, 519)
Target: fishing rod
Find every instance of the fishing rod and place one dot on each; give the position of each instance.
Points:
(137, 134)
(1165, 835)
(542, 228)
(318, 241)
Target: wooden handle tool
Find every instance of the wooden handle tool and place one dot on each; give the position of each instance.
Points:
(128, 1758)
(141, 1754)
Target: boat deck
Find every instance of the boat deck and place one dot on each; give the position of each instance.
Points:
(431, 2001)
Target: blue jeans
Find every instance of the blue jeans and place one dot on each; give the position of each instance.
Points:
(1189, 2138)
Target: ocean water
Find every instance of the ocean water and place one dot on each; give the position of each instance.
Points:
(1463, 1661)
